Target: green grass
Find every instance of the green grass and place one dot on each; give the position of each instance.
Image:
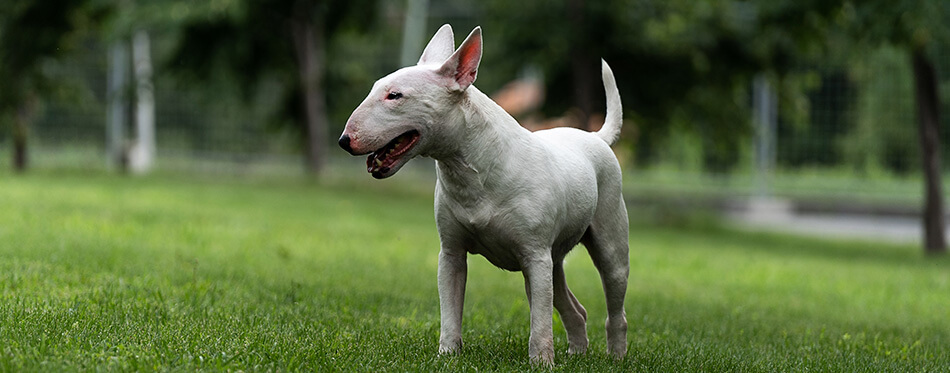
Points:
(103, 272)
(834, 184)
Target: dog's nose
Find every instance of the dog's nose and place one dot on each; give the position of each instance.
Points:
(345, 143)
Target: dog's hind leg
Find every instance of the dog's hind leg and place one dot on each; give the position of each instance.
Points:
(606, 241)
(573, 314)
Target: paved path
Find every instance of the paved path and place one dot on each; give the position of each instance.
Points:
(896, 229)
(777, 216)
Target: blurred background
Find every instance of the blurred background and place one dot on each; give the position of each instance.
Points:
(817, 116)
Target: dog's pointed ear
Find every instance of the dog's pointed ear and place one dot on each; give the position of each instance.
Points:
(462, 66)
(440, 47)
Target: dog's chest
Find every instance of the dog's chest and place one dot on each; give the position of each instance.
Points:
(489, 230)
(478, 217)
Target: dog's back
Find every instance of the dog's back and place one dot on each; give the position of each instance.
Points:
(581, 144)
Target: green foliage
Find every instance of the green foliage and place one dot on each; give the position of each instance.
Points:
(163, 273)
(907, 23)
(33, 33)
(249, 42)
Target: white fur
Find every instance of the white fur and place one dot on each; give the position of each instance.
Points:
(522, 200)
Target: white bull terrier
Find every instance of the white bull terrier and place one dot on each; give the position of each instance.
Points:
(522, 200)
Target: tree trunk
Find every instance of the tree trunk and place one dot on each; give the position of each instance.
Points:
(928, 120)
(309, 46)
(20, 160)
(142, 156)
(21, 125)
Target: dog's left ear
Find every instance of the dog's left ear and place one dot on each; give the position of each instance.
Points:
(440, 47)
(462, 66)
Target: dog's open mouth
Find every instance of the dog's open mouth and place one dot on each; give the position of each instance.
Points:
(381, 162)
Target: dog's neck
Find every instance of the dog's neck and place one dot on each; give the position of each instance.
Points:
(486, 136)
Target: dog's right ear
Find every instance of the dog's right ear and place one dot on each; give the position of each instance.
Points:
(440, 47)
(462, 66)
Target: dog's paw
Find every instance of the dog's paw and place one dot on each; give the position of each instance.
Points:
(618, 351)
(543, 359)
(448, 348)
(541, 352)
(578, 349)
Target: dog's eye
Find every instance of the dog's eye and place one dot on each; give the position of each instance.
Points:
(394, 96)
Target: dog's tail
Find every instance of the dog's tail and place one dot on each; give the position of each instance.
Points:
(610, 132)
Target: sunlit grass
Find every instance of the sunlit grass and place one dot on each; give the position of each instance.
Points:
(100, 272)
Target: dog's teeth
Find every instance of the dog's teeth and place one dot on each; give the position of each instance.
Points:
(379, 162)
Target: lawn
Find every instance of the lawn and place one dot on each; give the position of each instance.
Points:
(170, 272)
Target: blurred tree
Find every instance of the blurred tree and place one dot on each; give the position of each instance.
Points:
(32, 33)
(285, 40)
(686, 64)
(916, 26)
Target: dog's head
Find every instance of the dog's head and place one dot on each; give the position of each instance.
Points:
(404, 114)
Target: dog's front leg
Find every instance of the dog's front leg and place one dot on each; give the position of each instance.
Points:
(539, 285)
(452, 273)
